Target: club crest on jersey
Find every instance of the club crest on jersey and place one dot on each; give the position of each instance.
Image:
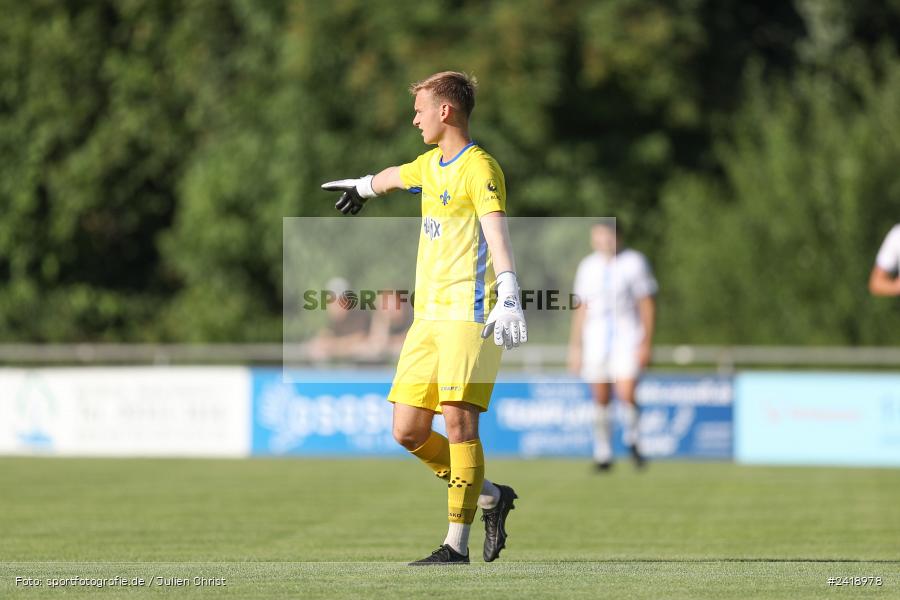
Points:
(432, 228)
(445, 198)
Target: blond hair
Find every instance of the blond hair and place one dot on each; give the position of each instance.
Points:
(450, 86)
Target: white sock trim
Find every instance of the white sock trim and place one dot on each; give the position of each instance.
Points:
(458, 537)
(490, 496)
(602, 434)
(631, 424)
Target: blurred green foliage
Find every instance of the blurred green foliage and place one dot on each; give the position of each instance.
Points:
(151, 149)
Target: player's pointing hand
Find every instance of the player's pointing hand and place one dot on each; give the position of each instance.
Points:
(355, 193)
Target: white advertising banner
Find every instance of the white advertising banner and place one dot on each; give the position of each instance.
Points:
(142, 411)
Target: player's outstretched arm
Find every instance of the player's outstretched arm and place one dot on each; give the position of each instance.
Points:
(647, 313)
(506, 320)
(575, 333)
(881, 283)
(387, 181)
(356, 192)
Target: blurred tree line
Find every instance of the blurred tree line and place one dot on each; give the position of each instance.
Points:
(151, 148)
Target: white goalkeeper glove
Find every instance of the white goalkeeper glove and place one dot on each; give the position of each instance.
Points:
(356, 192)
(507, 320)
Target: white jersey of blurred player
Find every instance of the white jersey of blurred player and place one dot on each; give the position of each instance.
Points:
(611, 288)
(885, 277)
(612, 333)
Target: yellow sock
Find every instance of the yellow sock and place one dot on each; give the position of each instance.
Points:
(466, 478)
(435, 453)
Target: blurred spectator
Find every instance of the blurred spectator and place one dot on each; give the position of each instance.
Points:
(884, 280)
(347, 331)
(392, 319)
(612, 333)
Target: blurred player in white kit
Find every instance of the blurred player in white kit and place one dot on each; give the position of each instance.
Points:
(612, 333)
(884, 280)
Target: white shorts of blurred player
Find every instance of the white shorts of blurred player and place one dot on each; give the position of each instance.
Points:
(607, 359)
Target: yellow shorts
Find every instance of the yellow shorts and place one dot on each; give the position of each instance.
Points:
(446, 361)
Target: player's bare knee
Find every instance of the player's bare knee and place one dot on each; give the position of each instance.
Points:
(461, 420)
(410, 438)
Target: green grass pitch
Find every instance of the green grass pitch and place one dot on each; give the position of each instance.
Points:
(345, 528)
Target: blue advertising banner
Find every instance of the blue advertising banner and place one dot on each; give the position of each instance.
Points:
(340, 413)
(818, 419)
(322, 412)
(681, 416)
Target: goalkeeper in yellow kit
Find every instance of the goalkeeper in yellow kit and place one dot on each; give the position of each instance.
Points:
(464, 252)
